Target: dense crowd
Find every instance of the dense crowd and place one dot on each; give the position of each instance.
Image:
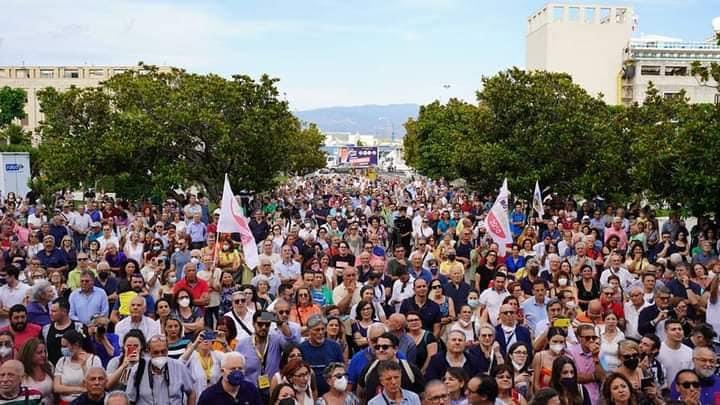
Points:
(378, 292)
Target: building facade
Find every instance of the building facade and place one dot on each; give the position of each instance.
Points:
(667, 64)
(583, 40)
(35, 78)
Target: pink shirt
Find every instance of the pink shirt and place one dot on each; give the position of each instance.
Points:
(585, 365)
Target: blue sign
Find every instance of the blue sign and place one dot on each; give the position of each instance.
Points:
(13, 167)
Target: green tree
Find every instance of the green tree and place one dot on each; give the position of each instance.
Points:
(707, 73)
(12, 103)
(149, 131)
(306, 156)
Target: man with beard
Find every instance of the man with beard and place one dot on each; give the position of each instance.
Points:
(19, 328)
(704, 365)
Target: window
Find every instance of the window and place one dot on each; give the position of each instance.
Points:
(620, 15)
(650, 70)
(4, 73)
(71, 74)
(604, 15)
(589, 15)
(671, 94)
(47, 73)
(22, 73)
(574, 14)
(676, 71)
(97, 73)
(558, 13)
(118, 71)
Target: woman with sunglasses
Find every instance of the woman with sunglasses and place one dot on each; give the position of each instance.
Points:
(304, 307)
(337, 379)
(447, 307)
(505, 378)
(299, 374)
(640, 380)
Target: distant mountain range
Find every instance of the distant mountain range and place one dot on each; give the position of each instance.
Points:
(378, 120)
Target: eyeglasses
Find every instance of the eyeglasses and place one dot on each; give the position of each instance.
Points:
(6, 344)
(286, 312)
(436, 287)
(590, 338)
(503, 377)
(239, 301)
(688, 384)
(521, 352)
(340, 375)
(413, 320)
(508, 312)
(82, 259)
(382, 347)
(263, 324)
(439, 398)
(301, 375)
(303, 295)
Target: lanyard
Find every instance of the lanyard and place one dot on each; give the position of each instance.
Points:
(262, 357)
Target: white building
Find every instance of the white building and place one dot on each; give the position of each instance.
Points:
(594, 44)
(583, 40)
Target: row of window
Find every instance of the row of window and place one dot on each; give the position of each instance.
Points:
(653, 70)
(59, 73)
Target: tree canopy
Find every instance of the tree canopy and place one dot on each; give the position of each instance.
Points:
(147, 131)
(530, 126)
(12, 103)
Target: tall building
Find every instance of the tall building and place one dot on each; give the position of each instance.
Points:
(35, 78)
(583, 40)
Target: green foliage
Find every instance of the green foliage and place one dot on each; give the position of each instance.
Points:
(14, 135)
(149, 131)
(707, 72)
(12, 103)
(306, 156)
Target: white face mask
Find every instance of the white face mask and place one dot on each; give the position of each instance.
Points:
(557, 348)
(340, 384)
(159, 362)
(5, 351)
(184, 302)
(562, 282)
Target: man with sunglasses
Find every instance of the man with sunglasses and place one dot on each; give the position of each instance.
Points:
(652, 318)
(386, 349)
(262, 351)
(586, 355)
(688, 386)
(705, 363)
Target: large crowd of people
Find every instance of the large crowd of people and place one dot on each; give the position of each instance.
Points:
(380, 292)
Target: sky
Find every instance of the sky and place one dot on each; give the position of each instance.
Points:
(325, 52)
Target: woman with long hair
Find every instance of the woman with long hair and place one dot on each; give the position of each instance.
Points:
(190, 315)
(610, 336)
(290, 352)
(336, 332)
(544, 359)
(177, 341)
(588, 288)
(38, 370)
(226, 340)
(436, 293)
(637, 262)
(118, 369)
(134, 247)
(70, 370)
(505, 379)
(455, 379)
(282, 392)
(364, 317)
(564, 381)
(227, 289)
(519, 359)
(711, 303)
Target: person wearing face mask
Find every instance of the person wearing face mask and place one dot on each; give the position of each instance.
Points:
(161, 380)
(704, 364)
(73, 365)
(565, 382)
(199, 288)
(337, 378)
(232, 387)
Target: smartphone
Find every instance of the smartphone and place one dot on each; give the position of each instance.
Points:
(561, 323)
(209, 335)
(646, 382)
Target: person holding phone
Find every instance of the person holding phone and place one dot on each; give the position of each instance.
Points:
(118, 368)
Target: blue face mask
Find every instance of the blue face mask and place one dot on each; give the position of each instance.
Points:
(235, 377)
(65, 352)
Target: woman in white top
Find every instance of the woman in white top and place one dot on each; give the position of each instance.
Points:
(610, 336)
(71, 368)
(203, 362)
(299, 374)
(134, 248)
(465, 325)
(38, 370)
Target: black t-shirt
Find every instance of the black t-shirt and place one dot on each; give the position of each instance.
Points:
(53, 341)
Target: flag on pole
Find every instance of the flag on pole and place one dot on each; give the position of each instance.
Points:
(537, 201)
(232, 220)
(498, 221)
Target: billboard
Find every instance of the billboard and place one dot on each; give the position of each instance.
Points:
(359, 156)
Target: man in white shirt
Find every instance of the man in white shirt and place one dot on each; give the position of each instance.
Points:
(626, 279)
(266, 250)
(492, 298)
(632, 310)
(288, 270)
(137, 320)
(674, 355)
(107, 237)
(13, 292)
(36, 219)
(80, 223)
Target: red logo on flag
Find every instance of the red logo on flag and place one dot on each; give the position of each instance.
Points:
(494, 225)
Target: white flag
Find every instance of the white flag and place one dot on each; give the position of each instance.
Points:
(538, 201)
(232, 220)
(497, 221)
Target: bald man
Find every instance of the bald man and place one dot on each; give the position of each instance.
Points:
(137, 320)
(11, 374)
(398, 327)
(95, 379)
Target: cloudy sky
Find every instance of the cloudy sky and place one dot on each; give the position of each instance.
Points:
(326, 52)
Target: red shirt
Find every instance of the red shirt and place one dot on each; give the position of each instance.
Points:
(31, 331)
(201, 287)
